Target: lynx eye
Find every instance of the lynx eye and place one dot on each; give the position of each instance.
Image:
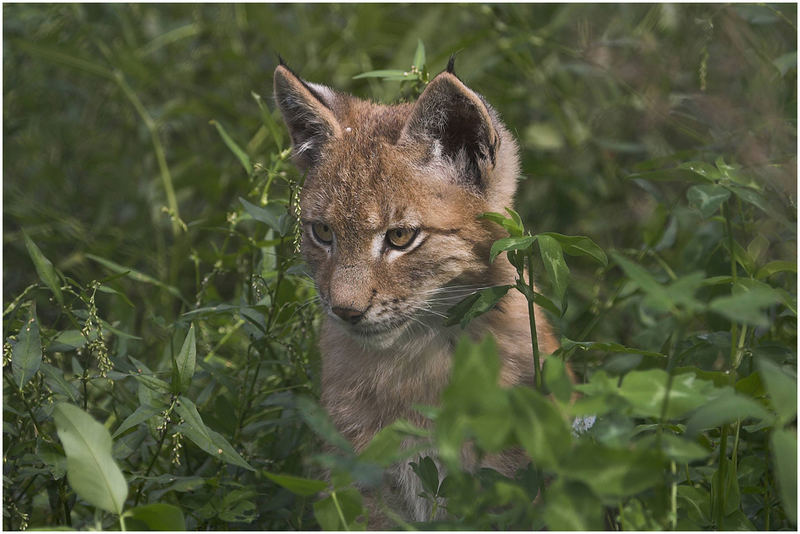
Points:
(401, 238)
(322, 233)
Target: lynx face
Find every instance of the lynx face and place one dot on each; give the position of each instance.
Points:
(391, 199)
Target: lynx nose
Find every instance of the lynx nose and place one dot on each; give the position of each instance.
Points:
(348, 314)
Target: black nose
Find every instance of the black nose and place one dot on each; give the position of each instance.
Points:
(348, 314)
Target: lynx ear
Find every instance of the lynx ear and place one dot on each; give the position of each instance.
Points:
(307, 111)
(458, 124)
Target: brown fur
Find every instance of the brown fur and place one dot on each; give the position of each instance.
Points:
(434, 166)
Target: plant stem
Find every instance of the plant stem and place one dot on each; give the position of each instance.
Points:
(339, 510)
(721, 486)
(122, 522)
(532, 318)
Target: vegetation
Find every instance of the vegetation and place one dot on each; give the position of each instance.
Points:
(160, 367)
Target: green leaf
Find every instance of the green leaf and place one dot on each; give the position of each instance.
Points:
(158, 516)
(136, 275)
(699, 503)
(785, 62)
(613, 472)
(240, 154)
(44, 268)
(668, 175)
(510, 243)
(773, 267)
(745, 307)
(269, 214)
(752, 197)
(781, 387)
(474, 305)
(658, 294)
(184, 364)
(386, 447)
(556, 379)
(568, 344)
(318, 420)
(512, 225)
(784, 453)
(726, 408)
(539, 427)
(701, 168)
(647, 392)
(305, 487)
(140, 415)
(328, 515)
(675, 448)
(381, 74)
(26, 357)
(571, 506)
(554, 264)
(419, 55)
(578, 245)
(205, 438)
(707, 198)
(428, 473)
(91, 470)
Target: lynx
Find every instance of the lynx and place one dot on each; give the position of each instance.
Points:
(392, 237)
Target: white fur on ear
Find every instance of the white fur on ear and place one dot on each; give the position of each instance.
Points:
(306, 109)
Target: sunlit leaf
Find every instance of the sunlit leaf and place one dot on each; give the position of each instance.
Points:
(26, 356)
(474, 305)
(210, 441)
(184, 363)
(44, 268)
(305, 487)
(91, 470)
(158, 516)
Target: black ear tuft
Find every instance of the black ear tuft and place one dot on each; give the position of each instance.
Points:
(281, 61)
(451, 64)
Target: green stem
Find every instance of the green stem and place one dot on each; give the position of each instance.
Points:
(122, 522)
(339, 510)
(722, 481)
(158, 147)
(532, 319)
(673, 516)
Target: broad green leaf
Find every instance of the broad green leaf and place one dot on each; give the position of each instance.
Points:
(578, 245)
(140, 415)
(745, 307)
(510, 243)
(613, 472)
(305, 487)
(135, 275)
(44, 268)
(428, 473)
(91, 470)
(66, 341)
(785, 62)
(269, 214)
(56, 381)
(540, 428)
(658, 293)
(783, 442)
(781, 387)
(668, 175)
(474, 305)
(205, 438)
(554, 264)
(647, 392)
(419, 55)
(538, 298)
(158, 516)
(387, 445)
(752, 197)
(571, 506)
(26, 357)
(726, 408)
(699, 503)
(269, 120)
(381, 74)
(556, 379)
(184, 363)
(707, 198)
(240, 154)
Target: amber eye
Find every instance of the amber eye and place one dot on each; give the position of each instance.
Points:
(322, 232)
(401, 238)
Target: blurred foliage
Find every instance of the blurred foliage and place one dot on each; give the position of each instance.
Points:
(147, 188)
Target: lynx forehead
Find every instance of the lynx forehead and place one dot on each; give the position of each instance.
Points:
(392, 237)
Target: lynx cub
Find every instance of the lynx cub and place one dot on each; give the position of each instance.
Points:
(390, 231)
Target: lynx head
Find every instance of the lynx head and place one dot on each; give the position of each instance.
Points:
(391, 199)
